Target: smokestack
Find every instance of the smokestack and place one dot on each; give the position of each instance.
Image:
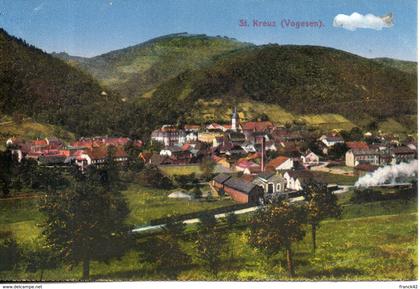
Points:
(262, 153)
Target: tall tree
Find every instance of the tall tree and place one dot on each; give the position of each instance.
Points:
(86, 222)
(210, 244)
(6, 165)
(321, 204)
(135, 164)
(207, 167)
(275, 228)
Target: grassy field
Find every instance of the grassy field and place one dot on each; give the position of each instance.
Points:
(372, 241)
(21, 217)
(146, 204)
(248, 110)
(181, 170)
(392, 125)
(29, 129)
(335, 178)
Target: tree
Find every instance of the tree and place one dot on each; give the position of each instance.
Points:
(207, 167)
(135, 164)
(6, 165)
(196, 192)
(322, 204)
(164, 250)
(151, 176)
(275, 228)
(86, 222)
(210, 244)
(338, 150)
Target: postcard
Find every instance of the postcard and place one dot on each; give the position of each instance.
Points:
(212, 141)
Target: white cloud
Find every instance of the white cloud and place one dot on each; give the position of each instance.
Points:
(368, 21)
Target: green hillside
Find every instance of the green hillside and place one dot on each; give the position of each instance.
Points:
(301, 80)
(405, 66)
(195, 78)
(138, 69)
(29, 129)
(47, 89)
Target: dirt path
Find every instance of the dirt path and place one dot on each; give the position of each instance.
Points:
(22, 197)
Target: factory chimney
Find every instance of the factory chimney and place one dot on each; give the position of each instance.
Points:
(262, 153)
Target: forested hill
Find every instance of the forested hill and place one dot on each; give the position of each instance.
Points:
(138, 69)
(301, 79)
(49, 90)
(406, 66)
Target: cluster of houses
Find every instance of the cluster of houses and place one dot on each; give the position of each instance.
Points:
(235, 146)
(83, 152)
(367, 158)
(254, 160)
(243, 153)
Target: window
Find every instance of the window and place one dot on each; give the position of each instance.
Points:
(278, 187)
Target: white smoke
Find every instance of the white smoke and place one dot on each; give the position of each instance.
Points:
(388, 173)
(356, 20)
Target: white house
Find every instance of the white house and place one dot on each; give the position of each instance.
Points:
(169, 151)
(82, 160)
(355, 156)
(271, 182)
(280, 163)
(190, 137)
(169, 135)
(310, 159)
(295, 180)
(330, 141)
(249, 147)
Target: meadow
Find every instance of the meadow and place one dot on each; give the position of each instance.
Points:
(185, 170)
(372, 241)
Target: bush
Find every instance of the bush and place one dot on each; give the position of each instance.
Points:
(151, 176)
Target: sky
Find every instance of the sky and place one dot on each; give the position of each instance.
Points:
(92, 27)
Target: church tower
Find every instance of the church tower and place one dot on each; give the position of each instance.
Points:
(235, 120)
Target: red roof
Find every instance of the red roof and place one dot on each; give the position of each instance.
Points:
(256, 155)
(116, 140)
(191, 126)
(101, 152)
(39, 142)
(254, 170)
(145, 156)
(185, 147)
(257, 125)
(357, 145)
(274, 163)
(245, 164)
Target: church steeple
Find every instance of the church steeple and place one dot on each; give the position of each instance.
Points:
(234, 119)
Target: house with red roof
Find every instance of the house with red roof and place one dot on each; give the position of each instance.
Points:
(257, 126)
(279, 164)
(244, 164)
(357, 145)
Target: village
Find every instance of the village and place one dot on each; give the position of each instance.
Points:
(251, 161)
